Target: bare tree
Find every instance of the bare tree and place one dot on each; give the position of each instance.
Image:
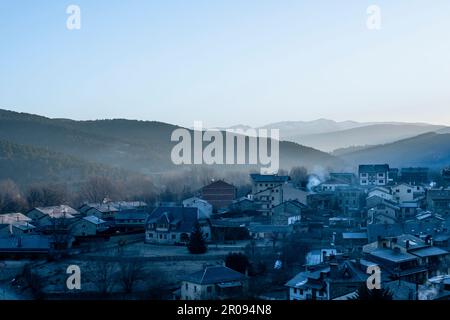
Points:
(11, 199)
(43, 194)
(96, 189)
(130, 272)
(102, 275)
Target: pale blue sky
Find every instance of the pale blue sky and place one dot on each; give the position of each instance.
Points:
(227, 61)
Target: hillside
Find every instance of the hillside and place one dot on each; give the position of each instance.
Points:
(362, 136)
(137, 146)
(428, 150)
(25, 164)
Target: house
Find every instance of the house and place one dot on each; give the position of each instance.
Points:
(269, 232)
(332, 184)
(219, 194)
(265, 200)
(322, 201)
(287, 213)
(415, 176)
(354, 241)
(383, 213)
(88, 226)
(349, 199)
(28, 246)
(291, 192)
(204, 207)
(15, 224)
(55, 216)
(406, 193)
(381, 192)
(374, 175)
(261, 182)
(242, 204)
(347, 177)
(131, 220)
(407, 257)
(172, 225)
(326, 281)
(104, 211)
(214, 283)
(438, 200)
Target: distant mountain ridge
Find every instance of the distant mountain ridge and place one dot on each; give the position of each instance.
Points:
(426, 150)
(329, 135)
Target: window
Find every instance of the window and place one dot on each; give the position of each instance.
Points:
(174, 237)
(186, 286)
(295, 290)
(209, 289)
(195, 288)
(150, 235)
(409, 191)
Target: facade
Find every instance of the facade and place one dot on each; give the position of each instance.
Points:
(406, 193)
(407, 257)
(46, 217)
(214, 283)
(131, 220)
(326, 281)
(88, 226)
(219, 194)
(438, 200)
(415, 176)
(374, 175)
(286, 213)
(204, 207)
(173, 225)
(349, 199)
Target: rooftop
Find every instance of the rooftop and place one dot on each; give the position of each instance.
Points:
(215, 275)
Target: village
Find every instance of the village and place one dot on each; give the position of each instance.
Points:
(285, 239)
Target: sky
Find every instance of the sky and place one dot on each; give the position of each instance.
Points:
(227, 62)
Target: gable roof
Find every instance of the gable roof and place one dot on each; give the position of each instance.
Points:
(256, 177)
(183, 219)
(61, 211)
(215, 275)
(373, 168)
(94, 220)
(8, 218)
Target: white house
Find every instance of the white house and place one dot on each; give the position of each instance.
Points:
(406, 193)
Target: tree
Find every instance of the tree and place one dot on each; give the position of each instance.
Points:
(197, 243)
(130, 273)
(44, 195)
(237, 261)
(364, 293)
(102, 275)
(10, 197)
(96, 189)
(299, 176)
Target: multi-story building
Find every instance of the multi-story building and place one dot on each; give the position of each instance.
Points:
(219, 194)
(374, 175)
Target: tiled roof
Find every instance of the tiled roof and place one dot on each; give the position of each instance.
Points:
(215, 275)
(182, 218)
(268, 178)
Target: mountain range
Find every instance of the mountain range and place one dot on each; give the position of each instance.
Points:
(33, 146)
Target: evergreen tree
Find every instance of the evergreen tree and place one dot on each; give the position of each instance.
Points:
(197, 243)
